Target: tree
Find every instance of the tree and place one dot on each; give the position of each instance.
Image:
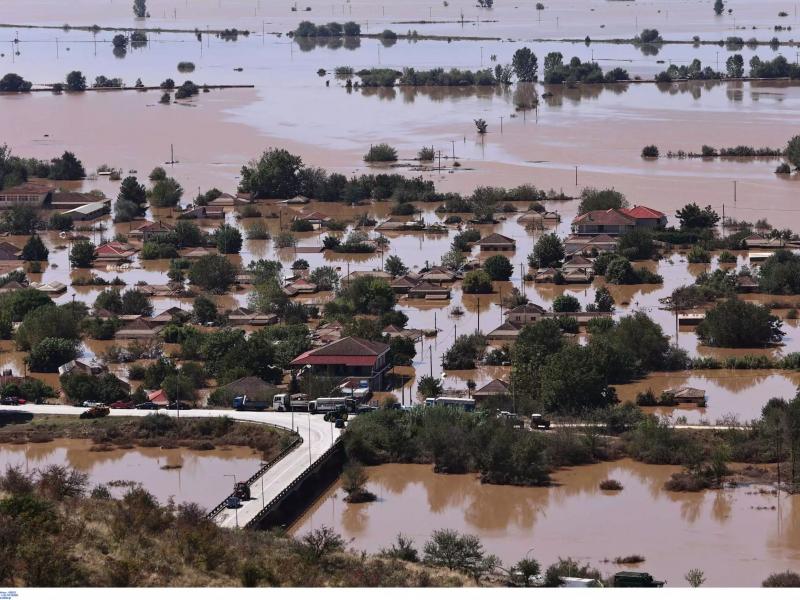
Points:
(481, 125)
(275, 175)
(498, 267)
(76, 81)
(35, 249)
(135, 302)
(525, 64)
(15, 305)
(120, 41)
(51, 353)
(429, 387)
(325, 277)
(603, 300)
(692, 216)
(188, 235)
(110, 300)
(131, 190)
(719, 7)
(11, 82)
(213, 273)
(451, 550)
(21, 219)
(637, 244)
(570, 383)
(477, 282)
(780, 273)
(793, 151)
(82, 254)
(453, 260)
(735, 66)
(735, 323)
(165, 193)
(178, 387)
(60, 222)
(157, 174)
(547, 252)
(140, 9)
(566, 303)
(395, 267)
(66, 167)
(48, 321)
(228, 239)
(594, 199)
(204, 309)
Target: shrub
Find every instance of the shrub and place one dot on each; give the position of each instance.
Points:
(426, 154)
(650, 152)
(698, 255)
(784, 579)
(611, 485)
(381, 153)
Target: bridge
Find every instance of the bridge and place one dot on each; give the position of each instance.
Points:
(275, 482)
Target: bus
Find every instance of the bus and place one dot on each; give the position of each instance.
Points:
(467, 404)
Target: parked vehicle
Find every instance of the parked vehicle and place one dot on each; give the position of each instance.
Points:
(636, 579)
(340, 412)
(539, 422)
(359, 393)
(339, 423)
(290, 402)
(365, 408)
(233, 502)
(245, 403)
(241, 490)
(579, 582)
(511, 418)
(326, 404)
(147, 406)
(179, 406)
(12, 401)
(122, 404)
(96, 412)
(467, 404)
(91, 403)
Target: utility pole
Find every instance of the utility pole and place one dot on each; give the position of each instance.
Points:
(576, 175)
(430, 353)
(453, 142)
(309, 436)
(478, 330)
(501, 124)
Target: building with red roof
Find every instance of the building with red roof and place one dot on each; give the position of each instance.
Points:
(618, 221)
(645, 216)
(348, 357)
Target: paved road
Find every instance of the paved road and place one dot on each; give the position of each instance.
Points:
(317, 436)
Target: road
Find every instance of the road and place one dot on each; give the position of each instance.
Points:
(317, 436)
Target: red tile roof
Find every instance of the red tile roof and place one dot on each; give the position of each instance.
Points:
(604, 217)
(349, 351)
(642, 212)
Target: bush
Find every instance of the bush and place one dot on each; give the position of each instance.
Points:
(426, 154)
(381, 153)
(698, 255)
(611, 485)
(213, 273)
(784, 579)
(650, 152)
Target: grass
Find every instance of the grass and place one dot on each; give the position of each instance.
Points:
(151, 431)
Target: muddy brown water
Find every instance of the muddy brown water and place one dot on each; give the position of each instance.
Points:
(736, 536)
(186, 475)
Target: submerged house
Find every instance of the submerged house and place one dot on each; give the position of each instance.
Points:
(348, 357)
(495, 242)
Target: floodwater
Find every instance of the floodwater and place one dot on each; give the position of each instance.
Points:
(598, 129)
(204, 477)
(736, 536)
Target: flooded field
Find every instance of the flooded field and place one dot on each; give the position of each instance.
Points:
(736, 536)
(204, 477)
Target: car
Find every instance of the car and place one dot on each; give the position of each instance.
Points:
(339, 423)
(179, 406)
(233, 502)
(147, 406)
(91, 403)
(365, 408)
(12, 401)
(121, 404)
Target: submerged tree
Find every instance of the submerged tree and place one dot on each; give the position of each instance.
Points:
(140, 8)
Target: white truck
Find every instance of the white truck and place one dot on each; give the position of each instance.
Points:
(290, 402)
(323, 405)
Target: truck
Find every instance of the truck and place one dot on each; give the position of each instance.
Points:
(340, 412)
(241, 490)
(245, 403)
(290, 402)
(467, 404)
(539, 422)
(636, 579)
(326, 404)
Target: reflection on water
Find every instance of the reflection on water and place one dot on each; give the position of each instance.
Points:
(728, 534)
(203, 477)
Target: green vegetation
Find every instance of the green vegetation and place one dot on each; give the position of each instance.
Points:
(212, 273)
(498, 267)
(555, 71)
(333, 29)
(82, 254)
(477, 282)
(734, 323)
(547, 252)
(228, 239)
(594, 199)
(11, 82)
(381, 153)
